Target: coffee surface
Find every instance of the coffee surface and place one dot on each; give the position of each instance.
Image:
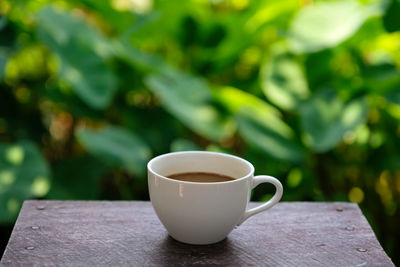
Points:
(201, 177)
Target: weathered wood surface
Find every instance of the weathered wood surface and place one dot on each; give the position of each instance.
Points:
(104, 233)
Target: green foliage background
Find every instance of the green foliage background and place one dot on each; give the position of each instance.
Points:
(308, 91)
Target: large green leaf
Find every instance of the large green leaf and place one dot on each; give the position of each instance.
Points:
(325, 119)
(24, 174)
(70, 182)
(83, 52)
(138, 59)
(327, 24)
(260, 124)
(52, 20)
(188, 99)
(235, 100)
(283, 80)
(116, 146)
(270, 135)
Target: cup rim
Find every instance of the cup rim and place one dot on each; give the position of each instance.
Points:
(250, 173)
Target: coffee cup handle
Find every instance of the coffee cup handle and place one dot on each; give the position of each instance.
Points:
(275, 199)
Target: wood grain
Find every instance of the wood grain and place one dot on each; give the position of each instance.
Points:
(105, 233)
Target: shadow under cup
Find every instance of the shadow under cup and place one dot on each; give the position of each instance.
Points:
(199, 213)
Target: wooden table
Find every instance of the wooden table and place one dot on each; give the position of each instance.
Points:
(111, 233)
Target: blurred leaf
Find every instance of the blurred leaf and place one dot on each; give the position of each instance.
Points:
(193, 90)
(188, 99)
(136, 58)
(382, 78)
(82, 51)
(260, 124)
(70, 102)
(391, 19)
(170, 18)
(269, 11)
(142, 20)
(283, 79)
(117, 147)
(327, 24)
(234, 100)
(270, 135)
(119, 20)
(394, 96)
(325, 119)
(183, 145)
(51, 20)
(244, 28)
(70, 182)
(24, 174)
(91, 79)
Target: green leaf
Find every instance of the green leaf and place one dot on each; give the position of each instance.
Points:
(24, 174)
(70, 103)
(51, 20)
(325, 119)
(90, 78)
(235, 100)
(270, 135)
(267, 11)
(119, 20)
(283, 80)
(82, 51)
(327, 24)
(138, 59)
(391, 19)
(188, 99)
(70, 182)
(116, 146)
(244, 28)
(260, 124)
(394, 96)
(382, 78)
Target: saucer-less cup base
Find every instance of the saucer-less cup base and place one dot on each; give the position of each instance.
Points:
(203, 213)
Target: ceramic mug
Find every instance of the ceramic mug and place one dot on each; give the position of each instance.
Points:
(204, 213)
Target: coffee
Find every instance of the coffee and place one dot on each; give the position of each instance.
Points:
(201, 177)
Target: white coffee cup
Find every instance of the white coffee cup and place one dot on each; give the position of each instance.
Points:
(204, 213)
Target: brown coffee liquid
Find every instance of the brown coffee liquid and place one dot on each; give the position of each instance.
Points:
(201, 177)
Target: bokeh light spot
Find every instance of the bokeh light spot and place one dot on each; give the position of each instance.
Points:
(6, 178)
(40, 186)
(356, 195)
(294, 178)
(15, 155)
